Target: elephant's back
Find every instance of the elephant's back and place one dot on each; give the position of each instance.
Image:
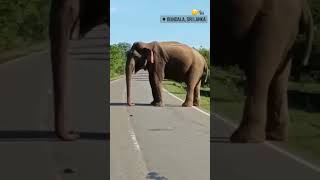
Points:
(232, 21)
(181, 58)
(184, 52)
(235, 25)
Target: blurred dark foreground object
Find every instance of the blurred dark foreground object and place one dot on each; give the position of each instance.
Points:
(69, 19)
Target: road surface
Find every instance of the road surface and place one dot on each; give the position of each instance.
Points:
(172, 141)
(254, 161)
(28, 147)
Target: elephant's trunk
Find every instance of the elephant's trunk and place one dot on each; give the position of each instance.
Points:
(129, 70)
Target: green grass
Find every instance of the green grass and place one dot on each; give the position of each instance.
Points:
(178, 90)
(304, 108)
(22, 50)
(115, 77)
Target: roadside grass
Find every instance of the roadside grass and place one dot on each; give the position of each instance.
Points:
(114, 76)
(178, 89)
(304, 109)
(22, 50)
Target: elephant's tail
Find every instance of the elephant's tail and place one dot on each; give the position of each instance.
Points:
(205, 74)
(308, 25)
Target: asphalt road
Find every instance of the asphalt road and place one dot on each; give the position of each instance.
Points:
(28, 147)
(254, 161)
(172, 141)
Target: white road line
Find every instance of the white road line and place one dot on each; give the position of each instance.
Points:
(130, 128)
(277, 149)
(133, 138)
(228, 122)
(268, 144)
(141, 162)
(292, 156)
(198, 109)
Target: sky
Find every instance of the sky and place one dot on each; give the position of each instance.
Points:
(139, 20)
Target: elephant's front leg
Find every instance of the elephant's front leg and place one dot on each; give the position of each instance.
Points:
(155, 84)
(60, 25)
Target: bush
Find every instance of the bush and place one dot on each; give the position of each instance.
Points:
(23, 21)
(206, 54)
(118, 58)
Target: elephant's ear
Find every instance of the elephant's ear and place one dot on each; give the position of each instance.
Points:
(161, 58)
(150, 56)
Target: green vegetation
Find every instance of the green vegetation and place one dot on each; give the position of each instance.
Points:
(118, 59)
(227, 97)
(23, 22)
(179, 90)
(315, 7)
(304, 104)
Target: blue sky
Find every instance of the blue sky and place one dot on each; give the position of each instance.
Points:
(139, 20)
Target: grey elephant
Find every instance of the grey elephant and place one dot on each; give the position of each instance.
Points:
(69, 19)
(259, 36)
(170, 60)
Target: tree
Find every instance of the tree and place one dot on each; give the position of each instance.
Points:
(118, 58)
(22, 22)
(124, 46)
(206, 54)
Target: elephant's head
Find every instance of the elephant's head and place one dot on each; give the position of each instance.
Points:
(138, 57)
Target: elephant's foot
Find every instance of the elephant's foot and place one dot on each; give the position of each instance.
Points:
(196, 103)
(68, 136)
(158, 104)
(247, 135)
(278, 134)
(187, 104)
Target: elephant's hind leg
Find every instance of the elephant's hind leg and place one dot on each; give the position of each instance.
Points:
(189, 97)
(191, 85)
(196, 98)
(278, 115)
(252, 126)
(265, 54)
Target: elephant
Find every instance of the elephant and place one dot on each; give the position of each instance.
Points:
(171, 60)
(69, 19)
(260, 36)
